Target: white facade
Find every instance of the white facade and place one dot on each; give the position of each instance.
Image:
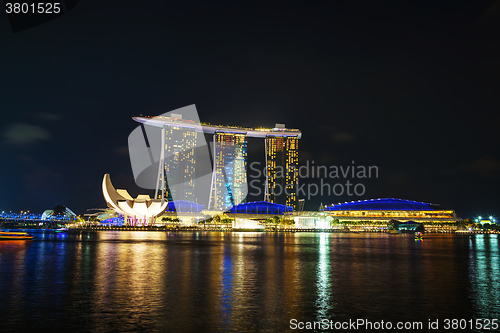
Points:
(246, 224)
(313, 222)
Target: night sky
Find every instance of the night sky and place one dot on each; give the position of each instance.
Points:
(412, 87)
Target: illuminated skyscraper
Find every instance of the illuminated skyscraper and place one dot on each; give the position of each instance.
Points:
(282, 158)
(228, 176)
(179, 164)
(229, 179)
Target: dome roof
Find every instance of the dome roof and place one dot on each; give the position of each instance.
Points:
(47, 214)
(384, 204)
(65, 214)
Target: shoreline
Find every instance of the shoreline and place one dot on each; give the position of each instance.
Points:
(188, 229)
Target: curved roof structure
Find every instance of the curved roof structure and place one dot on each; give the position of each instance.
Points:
(384, 204)
(124, 204)
(67, 214)
(212, 129)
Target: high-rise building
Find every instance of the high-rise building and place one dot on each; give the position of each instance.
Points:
(179, 164)
(228, 184)
(229, 179)
(282, 159)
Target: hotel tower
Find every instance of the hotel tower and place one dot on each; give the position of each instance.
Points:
(229, 179)
(282, 159)
(177, 181)
(176, 174)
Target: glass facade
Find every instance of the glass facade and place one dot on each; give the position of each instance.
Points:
(229, 185)
(180, 164)
(282, 169)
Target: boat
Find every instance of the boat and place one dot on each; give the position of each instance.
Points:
(61, 229)
(15, 236)
(419, 236)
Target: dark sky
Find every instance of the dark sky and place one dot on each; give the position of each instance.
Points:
(412, 87)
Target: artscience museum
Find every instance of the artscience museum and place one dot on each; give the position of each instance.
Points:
(141, 211)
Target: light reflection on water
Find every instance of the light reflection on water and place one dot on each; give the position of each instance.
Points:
(154, 281)
(484, 275)
(324, 302)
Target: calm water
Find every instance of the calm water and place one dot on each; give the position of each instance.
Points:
(218, 282)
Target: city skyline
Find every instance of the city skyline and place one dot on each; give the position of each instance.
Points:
(250, 166)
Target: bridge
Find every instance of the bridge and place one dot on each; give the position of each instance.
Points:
(32, 219)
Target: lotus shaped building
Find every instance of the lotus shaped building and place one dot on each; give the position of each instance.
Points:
(139, 211)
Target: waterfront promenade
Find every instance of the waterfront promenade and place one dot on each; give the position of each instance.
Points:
(101, 281)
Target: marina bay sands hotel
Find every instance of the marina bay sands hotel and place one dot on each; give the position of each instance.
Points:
(229, 175)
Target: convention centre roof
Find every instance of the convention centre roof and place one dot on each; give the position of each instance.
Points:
(384, 204)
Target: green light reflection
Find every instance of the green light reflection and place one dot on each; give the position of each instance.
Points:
(323, 284)
(485, 275)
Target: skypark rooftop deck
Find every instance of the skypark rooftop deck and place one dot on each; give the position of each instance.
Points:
(212, 129)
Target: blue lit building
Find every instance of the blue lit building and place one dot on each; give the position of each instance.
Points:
(260, 207)
(229, 182)
(113, 221)
(183, 206)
